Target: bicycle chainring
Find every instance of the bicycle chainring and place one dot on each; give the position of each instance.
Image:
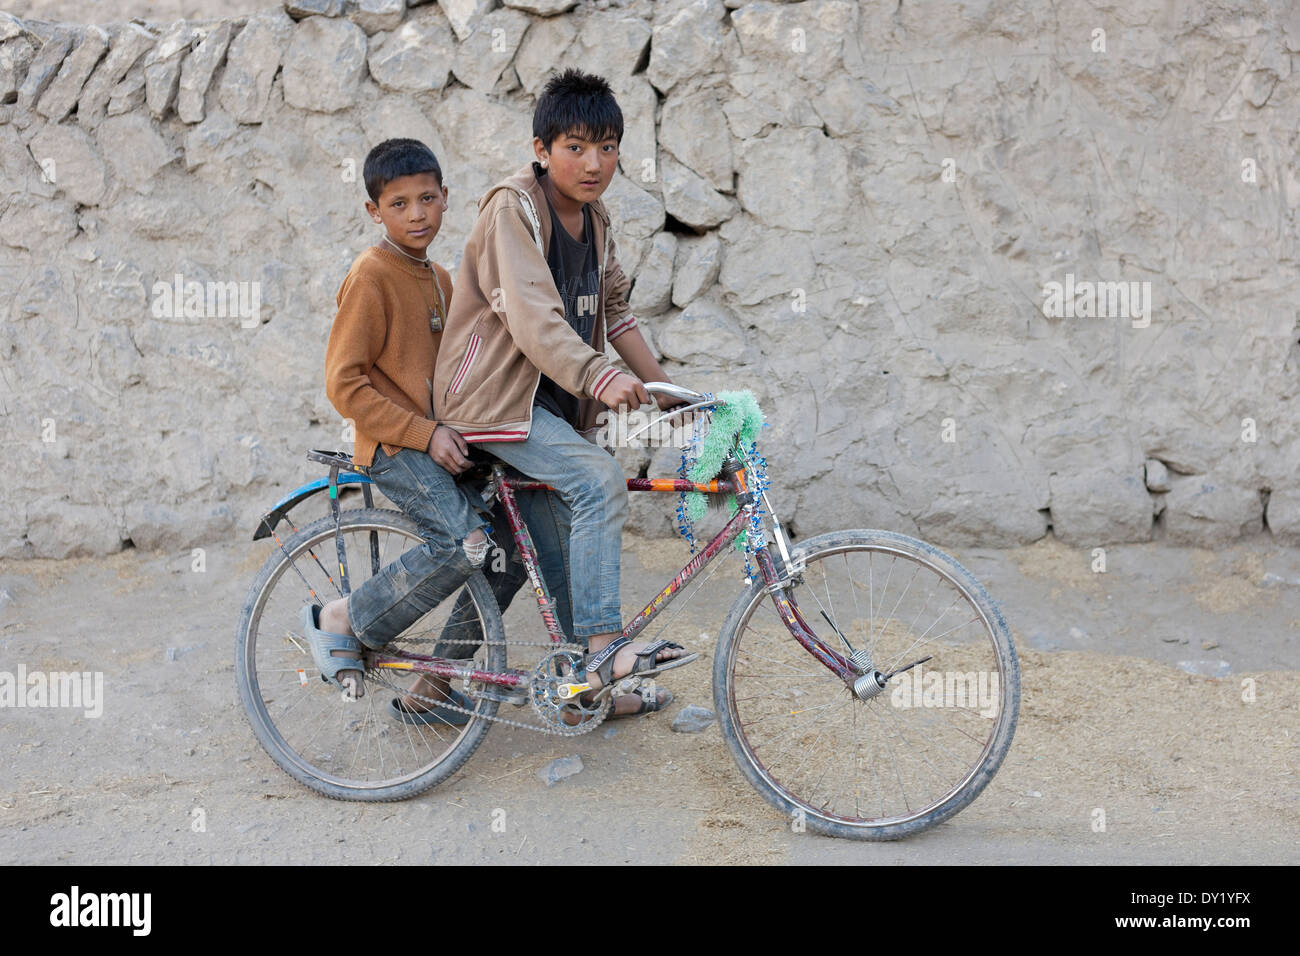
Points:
(562, 667)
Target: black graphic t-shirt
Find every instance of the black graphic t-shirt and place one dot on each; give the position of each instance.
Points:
(575, 267)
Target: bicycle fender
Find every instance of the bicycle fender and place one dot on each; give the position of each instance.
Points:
(266, 524)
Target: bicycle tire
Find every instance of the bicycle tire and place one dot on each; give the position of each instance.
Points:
(739, 725)
(369, 523)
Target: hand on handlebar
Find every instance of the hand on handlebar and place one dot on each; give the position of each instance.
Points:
(624, 393)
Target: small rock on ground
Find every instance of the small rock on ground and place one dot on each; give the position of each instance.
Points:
(692, 719)
(560, 768)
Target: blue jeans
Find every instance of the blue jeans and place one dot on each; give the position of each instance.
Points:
(547, 519)
(590, 484)
(446, 512)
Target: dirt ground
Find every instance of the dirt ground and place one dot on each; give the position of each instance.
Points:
(1185, 768)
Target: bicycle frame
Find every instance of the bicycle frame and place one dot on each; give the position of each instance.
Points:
(786, 608)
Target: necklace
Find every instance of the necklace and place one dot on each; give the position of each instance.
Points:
(437, 313)
(423, 262)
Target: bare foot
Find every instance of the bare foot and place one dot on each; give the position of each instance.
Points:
(625, 658)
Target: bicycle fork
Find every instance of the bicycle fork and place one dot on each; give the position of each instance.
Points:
(857, 670)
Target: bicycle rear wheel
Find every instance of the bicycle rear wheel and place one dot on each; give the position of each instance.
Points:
(353, 750)
(906, 759)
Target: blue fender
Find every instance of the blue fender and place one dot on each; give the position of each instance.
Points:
(296, 497)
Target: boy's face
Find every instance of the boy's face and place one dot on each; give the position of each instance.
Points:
(581, 168)
(411, 208)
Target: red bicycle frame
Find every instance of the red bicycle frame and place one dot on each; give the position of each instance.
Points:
(786, 608)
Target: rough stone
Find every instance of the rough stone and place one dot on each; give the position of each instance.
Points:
(29, 223)
(559, 769)
(162, 67)
(1157, 475)
(417, 57)
(45, 66)
(1283, 515)
(135, 149)
(465, 14)
(79, 171)
(543, 8)
(129, 94)
(10, 27)
(690, 199)
(809, 40)
(849, 106)
(699, 334)
(639, 150)
(1201, 511)
(375, 16)
(1091, 509)
(62, 93)
(692, 719)
(63, 529)
(545, 45)
(486, 52)
(324, 65)
(197, 72)
(687, 41)
(638, 215)
(314, 8)
(251, 65)
(763, 263)
(129, 44)
(698, 260)
(653, 290)
(694, 130)
(16, 55)
(796, 179)
(611, 44)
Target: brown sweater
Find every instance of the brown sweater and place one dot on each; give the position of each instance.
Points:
(381, 353)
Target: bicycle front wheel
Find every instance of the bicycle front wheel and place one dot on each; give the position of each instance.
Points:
(917, 751)
(355, 749)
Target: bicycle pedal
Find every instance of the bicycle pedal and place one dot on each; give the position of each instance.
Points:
(634, 685)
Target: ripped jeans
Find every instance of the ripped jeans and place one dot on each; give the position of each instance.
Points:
(447, 512)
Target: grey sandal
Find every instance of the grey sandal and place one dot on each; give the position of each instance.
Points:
(601, 663)
(324, 644)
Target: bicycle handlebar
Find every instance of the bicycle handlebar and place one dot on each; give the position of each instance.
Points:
(674, 391)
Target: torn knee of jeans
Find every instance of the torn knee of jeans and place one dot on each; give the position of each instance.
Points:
(476, 551)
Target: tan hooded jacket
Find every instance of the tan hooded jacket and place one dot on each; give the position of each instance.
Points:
(506, 323)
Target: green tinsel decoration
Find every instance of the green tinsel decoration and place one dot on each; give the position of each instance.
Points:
(740, 416)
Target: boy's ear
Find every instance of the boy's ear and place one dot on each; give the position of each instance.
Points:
(540, 150)
(374, 212)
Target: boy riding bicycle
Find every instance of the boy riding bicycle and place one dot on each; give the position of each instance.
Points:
(523, 374)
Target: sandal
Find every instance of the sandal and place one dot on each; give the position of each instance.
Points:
(436, 715)
(649, 695)
(601, 663)
(324, 644)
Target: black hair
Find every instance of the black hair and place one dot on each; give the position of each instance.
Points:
(577, 103)
(394, 158)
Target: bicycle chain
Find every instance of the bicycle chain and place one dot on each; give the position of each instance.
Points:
(578, 731)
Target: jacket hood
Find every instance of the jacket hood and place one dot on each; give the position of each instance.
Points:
(528, 180)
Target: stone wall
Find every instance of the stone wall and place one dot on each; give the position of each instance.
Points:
(857, 210)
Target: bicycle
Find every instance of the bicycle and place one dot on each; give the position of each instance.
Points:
(839, 726)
